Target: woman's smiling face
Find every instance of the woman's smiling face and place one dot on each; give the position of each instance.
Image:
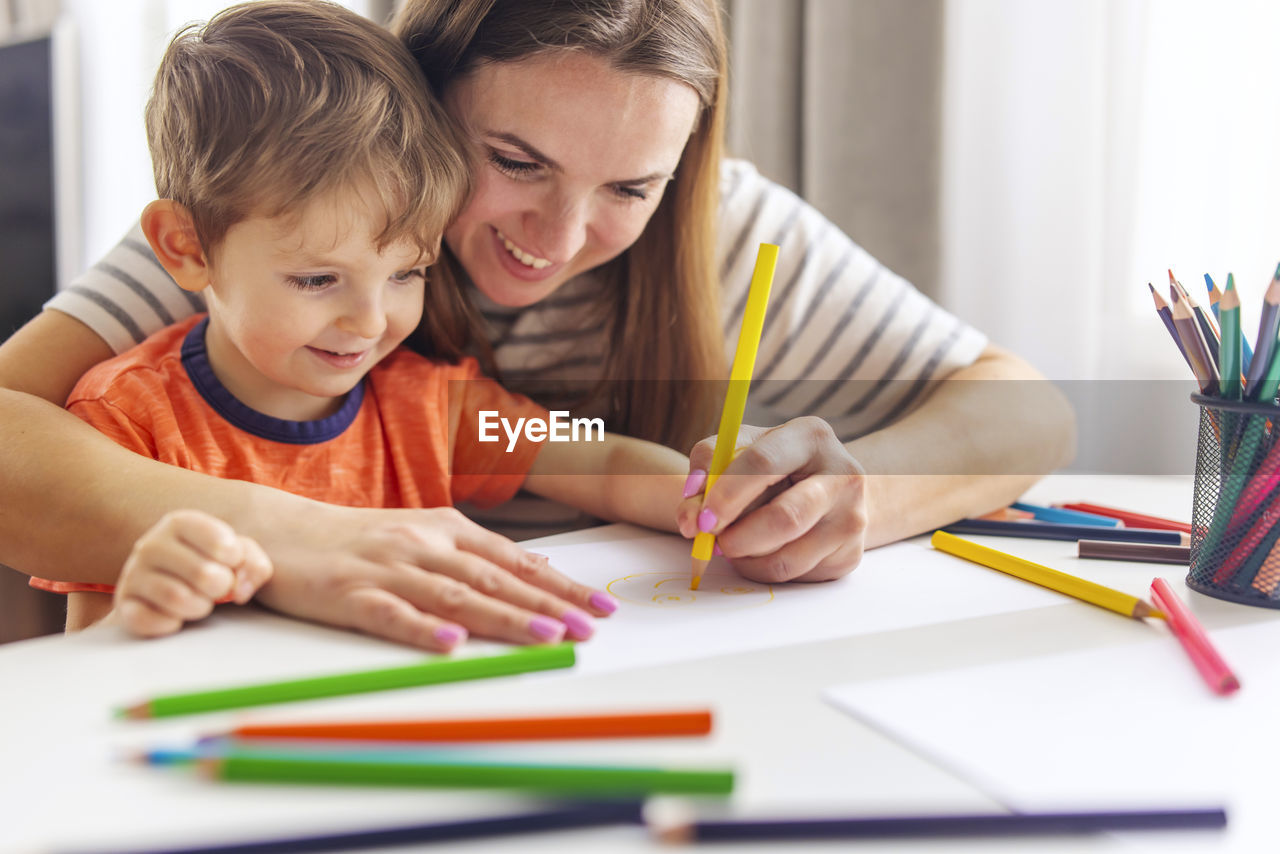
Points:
(573, 158)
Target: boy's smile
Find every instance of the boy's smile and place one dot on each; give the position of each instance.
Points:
(303, 306)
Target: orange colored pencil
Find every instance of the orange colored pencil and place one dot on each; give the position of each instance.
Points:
(625, 725)
(1191, 635)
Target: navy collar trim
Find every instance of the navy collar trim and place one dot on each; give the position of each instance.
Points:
(195, 359)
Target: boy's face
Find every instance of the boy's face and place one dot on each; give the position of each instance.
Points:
(302, 307)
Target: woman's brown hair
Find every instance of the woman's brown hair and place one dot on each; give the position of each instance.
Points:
(664, 291)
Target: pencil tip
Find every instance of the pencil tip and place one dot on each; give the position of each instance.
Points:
(1276, 275)
(1231, 281)
(1152, 287)
(1172, 280)
(1208, 282)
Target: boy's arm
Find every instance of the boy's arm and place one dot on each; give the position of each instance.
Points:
(620, 479)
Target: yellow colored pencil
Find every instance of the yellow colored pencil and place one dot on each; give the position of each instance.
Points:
(1086, 591)
(735, 401)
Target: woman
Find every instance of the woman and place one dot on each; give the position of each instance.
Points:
(591, 250)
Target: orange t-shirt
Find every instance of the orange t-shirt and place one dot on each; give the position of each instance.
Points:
(388, 445)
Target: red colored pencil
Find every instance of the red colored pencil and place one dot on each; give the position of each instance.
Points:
(631, 725)
(1191, 635)
(1131, 519)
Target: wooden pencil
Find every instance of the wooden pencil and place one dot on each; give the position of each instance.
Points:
(558, 817)
(735, 400)
(1204, 320)
(1056, 531)
(528, 728)
(1070, 585)
(1246, 353)
(1138, 552)
(1193, 340)
(432, 671)
(577, 779)
(1264, 346)
(1230, 354)
(1067, 516)
(1129, 517)
(677, 829)
(1187, 629)
(1162, 309)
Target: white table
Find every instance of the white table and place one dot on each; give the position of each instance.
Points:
(62, 785)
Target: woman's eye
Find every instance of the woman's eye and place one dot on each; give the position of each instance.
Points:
(631, 193)
(517, 168)
(311, 283)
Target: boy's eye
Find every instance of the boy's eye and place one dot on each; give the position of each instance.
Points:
(405, 276)
(516, 168)
(311, 283)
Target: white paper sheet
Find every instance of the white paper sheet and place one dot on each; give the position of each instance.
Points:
(660, 619)
(1110, 728)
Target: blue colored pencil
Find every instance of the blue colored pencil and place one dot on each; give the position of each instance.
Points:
(1068, 517)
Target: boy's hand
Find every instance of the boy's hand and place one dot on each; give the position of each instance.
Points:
(178, 570)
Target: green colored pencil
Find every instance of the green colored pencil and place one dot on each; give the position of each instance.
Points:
(1229, 352)
(594, 780)
(430, 672)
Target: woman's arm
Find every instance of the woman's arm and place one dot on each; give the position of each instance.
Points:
(72, 503)
(986, 433)
(621, 479)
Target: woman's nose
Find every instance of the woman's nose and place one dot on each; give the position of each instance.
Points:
(559, 229)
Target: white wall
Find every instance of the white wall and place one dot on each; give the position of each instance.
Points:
(117, 46)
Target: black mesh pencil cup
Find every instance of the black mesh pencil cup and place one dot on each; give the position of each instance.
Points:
(1235, 524)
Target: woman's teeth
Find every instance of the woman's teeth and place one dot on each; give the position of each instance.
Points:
(520, 255)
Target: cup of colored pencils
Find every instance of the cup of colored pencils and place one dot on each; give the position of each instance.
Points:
(1235, 538)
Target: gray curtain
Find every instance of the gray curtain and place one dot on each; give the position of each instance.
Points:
(841, 100)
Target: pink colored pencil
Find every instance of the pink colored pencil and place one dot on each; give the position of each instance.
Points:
(1187, 629)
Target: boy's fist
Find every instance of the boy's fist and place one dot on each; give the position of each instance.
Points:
(185, 564)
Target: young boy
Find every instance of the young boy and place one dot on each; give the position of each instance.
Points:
(306, 177)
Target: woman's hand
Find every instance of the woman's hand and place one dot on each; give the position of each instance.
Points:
(791, 506)
(426, 578)
(178, 570)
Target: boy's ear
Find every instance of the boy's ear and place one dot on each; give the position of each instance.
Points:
(172, 235)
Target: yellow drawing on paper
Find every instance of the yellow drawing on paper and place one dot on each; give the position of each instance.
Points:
(719, 591)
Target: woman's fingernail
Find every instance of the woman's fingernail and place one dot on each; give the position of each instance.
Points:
(693, 483)
(580, 625)
(547, 629)
(541, 559)
(244, 591)
(450, 635)
(716, 550)
(707, 521)
(603, 602)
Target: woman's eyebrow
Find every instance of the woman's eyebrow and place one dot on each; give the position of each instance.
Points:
(535, 154)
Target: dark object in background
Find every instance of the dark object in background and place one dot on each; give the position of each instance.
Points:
(27, 242)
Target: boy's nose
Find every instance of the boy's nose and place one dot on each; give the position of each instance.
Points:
(364, 318)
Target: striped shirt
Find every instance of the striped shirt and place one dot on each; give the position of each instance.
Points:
(845, 338)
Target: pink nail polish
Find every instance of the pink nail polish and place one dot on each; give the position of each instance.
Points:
(717, 551)
(579, 624)
(693, 483)
(707, 521)
(603, 602)
(547, 629)
(450, 635)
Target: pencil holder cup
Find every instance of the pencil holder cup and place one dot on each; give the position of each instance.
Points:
(1235, 519)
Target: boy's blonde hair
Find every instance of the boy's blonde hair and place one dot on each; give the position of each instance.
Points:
(272, 103)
